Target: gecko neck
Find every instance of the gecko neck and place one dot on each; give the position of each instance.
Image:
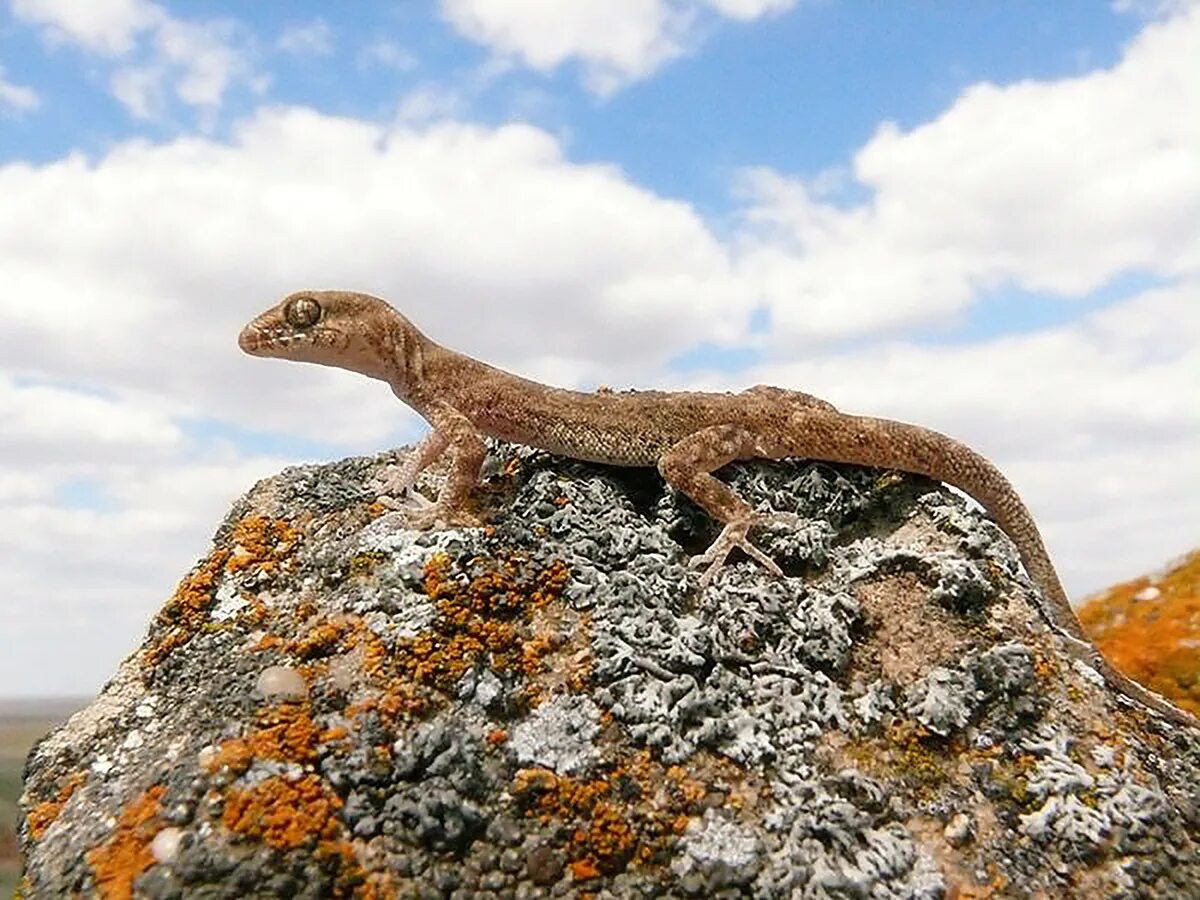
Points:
(399, 354)
(422, 372)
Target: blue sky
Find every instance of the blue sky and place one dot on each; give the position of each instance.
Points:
(979, 217)
(798, 92)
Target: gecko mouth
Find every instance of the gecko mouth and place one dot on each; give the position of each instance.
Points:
(257, 342)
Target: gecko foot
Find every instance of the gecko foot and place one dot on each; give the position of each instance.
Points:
(439, 515)
(733, 535)
(391, 484)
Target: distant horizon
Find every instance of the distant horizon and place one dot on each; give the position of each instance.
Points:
(12, 706)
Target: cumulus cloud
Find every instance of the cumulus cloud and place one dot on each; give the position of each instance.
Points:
(613, 45)
(109, 27)
(88, 578)
(182, 242)
(156, 56)
(1050, 186)
(49, 423)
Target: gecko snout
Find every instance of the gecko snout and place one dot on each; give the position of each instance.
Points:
(249, 340)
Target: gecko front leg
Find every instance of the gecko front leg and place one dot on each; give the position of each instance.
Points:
(452, 432)
(399, 480)
(688, 466)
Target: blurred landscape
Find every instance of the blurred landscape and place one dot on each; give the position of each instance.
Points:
(1148, 627)
(22, 723)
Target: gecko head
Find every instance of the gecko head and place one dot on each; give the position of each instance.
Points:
(333, 328)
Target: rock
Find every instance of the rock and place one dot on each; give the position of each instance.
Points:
(330, 705)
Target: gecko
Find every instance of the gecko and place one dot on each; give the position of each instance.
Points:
(686, 435)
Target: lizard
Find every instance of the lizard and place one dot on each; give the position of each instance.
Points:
(686, 435)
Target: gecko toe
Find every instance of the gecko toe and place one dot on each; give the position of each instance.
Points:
(732, 536)
(437, 515)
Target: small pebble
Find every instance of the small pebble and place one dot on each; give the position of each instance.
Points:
(165, 846)
(544, 865)
(281, 683)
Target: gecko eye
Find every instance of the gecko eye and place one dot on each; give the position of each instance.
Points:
(303, 312)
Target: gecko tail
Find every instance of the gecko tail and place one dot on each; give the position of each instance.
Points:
(886, 443)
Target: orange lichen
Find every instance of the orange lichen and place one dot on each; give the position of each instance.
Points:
(43, 815)
(620, 817)
(290, 814)
(284, 732)
(126, 854)
(379, 886)
(186, 612)
(583, 869)
(496, 737)
(269, 642)
(482, 618)
(535, 650)
(284, 814)
(579, 671)
(320, 640)
(262, 544)
(1154, 640)
(255, 613)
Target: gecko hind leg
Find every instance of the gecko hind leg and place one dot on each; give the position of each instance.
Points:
(688, 466)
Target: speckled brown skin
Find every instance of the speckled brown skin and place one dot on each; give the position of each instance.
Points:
(687, 435)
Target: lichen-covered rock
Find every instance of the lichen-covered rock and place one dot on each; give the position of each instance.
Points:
(332, 706)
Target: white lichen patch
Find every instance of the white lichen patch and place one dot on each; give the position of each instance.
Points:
(719, 849)
(228, 601)
(1056, 772)
(1066, 818)
(943, 700)
(558, 735)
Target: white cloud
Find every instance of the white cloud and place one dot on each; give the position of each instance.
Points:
(52, 423)
(614, 45)
(1153, 8)
(155, 255)
(1052, 186)
(17, 97)
(428, 102)
(157, 55)
(308, 39)
(79, 584)
(745, 10)
(109, 27)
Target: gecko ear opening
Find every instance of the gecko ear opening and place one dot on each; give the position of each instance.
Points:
(303, 312)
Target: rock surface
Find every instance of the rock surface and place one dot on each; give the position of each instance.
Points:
(332, 706)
